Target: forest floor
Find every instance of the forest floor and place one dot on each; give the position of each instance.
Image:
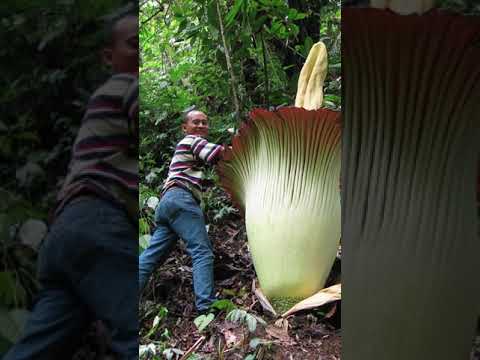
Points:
(313, 334)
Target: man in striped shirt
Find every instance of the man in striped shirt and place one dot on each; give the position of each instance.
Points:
(88, 263)
(179, 215)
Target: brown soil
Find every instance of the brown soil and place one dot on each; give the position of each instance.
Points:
(310, 335)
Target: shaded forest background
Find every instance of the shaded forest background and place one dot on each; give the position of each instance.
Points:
(50, 65)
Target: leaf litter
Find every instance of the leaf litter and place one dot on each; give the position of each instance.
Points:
(308, 334)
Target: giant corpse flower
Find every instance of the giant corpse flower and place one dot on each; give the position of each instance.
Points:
(411, 253)
(283, 171)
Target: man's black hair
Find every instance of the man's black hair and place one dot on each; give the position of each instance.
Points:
(111, 20)
(188, 111)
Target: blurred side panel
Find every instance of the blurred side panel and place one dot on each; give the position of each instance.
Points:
(51, 67)
(411, 85)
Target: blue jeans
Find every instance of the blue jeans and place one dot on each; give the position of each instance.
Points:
(178, 215)
(87, 270)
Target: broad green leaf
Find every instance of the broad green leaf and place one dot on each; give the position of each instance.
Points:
(12, 323)
(307, 45)
(143, 226)
(202, 321)
(224, 304)
(251, 323)
(255, 342)
(233, 12)
(144, 242)
(11, 292)
(212, 14)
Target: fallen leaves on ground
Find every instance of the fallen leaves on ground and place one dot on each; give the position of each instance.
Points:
(307, 335)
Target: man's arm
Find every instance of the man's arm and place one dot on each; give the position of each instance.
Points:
(209, 153)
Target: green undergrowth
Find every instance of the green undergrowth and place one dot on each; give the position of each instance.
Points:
(283, 304)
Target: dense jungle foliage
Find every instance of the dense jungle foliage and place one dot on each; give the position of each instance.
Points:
(225, 58)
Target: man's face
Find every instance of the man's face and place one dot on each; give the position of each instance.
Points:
(196, 124)
(122, 54)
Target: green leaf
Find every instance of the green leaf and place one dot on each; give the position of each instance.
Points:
(143, 226)
(183, 25)
(307, 45)
(236, 315)
(251, 323)
(162, 313)
(293, 15)
(212, 14)
(166, 334)
(258, 23)
(170, 353)
(154, 327)
(233, 12)
(330, 104)
(12, 323)
(224, 304)
(11, 292)
(4, 345)
(144, 241)
(333, 98)
(202, 321)
(255, 342)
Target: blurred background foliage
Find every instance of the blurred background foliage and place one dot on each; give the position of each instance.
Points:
(50, 65)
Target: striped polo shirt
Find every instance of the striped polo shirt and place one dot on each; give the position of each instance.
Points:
(104, 160)
(186, 167)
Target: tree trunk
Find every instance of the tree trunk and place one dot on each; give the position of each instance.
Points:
(233, 81)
